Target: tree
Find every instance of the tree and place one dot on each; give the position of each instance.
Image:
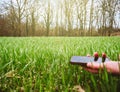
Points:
(68, 10)
(81, 9)
(91, 17)
(111, 9)
(48, 17)
(21, 6)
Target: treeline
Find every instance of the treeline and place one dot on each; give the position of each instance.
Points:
(59, 18)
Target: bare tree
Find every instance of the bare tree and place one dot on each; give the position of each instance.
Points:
(79, 16)
(68, 10)
(81, 9)
(85, 12)
(12, 16)
(62, 27)
(48, 17)
(57, 22)
(107, 16)
(20, 8)
(111, 9)
(91, 17)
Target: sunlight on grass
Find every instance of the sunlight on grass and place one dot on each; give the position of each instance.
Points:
(42, 64)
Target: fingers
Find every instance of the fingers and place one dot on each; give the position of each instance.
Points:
(92, 70)
(94, 65)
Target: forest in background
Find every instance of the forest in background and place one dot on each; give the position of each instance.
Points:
(59, 17)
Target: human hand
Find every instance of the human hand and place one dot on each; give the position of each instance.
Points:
(111, 67)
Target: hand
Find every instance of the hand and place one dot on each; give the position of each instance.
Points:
(111, 67)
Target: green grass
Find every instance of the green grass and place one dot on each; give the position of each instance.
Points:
(42, 64)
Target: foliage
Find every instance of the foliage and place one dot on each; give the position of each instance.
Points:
(42, 64)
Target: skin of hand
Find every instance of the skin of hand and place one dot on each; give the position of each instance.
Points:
(111, 67)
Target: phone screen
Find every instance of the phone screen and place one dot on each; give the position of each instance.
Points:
(83, 60)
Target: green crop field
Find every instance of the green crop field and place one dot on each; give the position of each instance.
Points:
(41, 64)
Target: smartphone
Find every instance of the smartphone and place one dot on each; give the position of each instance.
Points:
(83, 60)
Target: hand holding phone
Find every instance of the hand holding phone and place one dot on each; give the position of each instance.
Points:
(83, 60)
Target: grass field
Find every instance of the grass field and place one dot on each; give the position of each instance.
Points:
(42, 64)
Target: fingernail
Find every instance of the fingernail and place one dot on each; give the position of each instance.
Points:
(103, 57)
(96, 56)
(89, 64)
(88, 55)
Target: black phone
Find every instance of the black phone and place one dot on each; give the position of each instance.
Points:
(83, 60)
